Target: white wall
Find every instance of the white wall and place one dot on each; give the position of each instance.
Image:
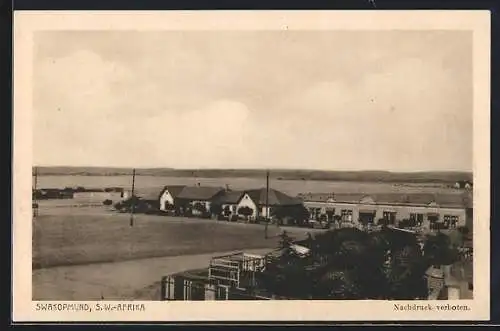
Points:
(97, 197)
(246, 201)
(402, 212)
(166, 197)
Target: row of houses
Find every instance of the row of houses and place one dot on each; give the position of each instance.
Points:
(421, 209)
(231, 203)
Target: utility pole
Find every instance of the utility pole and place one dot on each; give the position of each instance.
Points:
(132, 199)
(267, 201)
(35, 202)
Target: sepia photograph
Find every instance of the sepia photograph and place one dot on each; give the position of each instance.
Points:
(242, 164)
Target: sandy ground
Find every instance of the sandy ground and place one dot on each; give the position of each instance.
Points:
(128, 280)
(89, 253)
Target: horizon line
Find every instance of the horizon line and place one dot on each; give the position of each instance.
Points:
(250, 168)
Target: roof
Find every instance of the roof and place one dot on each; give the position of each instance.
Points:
(152, 193)
(452, 200)
(276, 198)
(229, 197)
(174, 190)
(199, 192)
(323, 197)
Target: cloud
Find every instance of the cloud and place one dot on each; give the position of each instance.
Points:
(75, 108)
(312, 100)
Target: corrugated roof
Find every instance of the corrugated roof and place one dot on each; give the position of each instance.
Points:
(276, 198)
(199, 192)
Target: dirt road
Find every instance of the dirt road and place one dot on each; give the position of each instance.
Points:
(128, 280)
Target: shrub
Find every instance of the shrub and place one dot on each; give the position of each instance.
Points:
(169, 206)
(200, 207)
(245, 211)
(215, 209)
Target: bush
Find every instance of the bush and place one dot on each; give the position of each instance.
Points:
(245, 211)
(169, 207)
(200, 207)
(215, 209)
(107, 202)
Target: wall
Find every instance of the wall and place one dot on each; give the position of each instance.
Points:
(232, 207)
(165, 197)
(246, 201)
(205, 203)
(97, 197)
(402, 212)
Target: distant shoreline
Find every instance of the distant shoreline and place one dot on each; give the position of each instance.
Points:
(296, 175)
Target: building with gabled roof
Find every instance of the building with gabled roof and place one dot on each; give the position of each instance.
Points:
(257, 200)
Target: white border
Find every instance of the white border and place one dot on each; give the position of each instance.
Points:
(26, 22)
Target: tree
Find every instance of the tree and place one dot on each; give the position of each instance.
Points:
(464, 230)
(351, 264)
(128, 204)
(201, 208)
(299, 213)
(215, 209)
(405, 274)
(285, 240)
(438, 250)
(227, 211)
(245, 211)
(338, 284)
(169, 206)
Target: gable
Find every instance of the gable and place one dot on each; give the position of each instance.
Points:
(166, 194)
(246, 200)
(367, 200)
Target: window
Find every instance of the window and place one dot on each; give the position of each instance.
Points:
(416, 218)
(346, 215)
(389, 217)
(446, 221)
(435, 223)
(330, 212)
(450, 221)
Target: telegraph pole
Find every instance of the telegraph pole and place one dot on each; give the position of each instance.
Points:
(267, 201)
(132, 199)
(35, 203)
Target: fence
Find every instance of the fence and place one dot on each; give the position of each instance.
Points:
(179, 288)
(236, 270)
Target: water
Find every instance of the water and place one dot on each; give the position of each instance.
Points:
(291, 187)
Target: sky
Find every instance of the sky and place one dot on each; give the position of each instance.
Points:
(331, 100)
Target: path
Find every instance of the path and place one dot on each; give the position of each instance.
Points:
(129, 280)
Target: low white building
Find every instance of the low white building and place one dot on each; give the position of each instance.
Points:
(258, 199)
(427, 210)
(168, 196)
